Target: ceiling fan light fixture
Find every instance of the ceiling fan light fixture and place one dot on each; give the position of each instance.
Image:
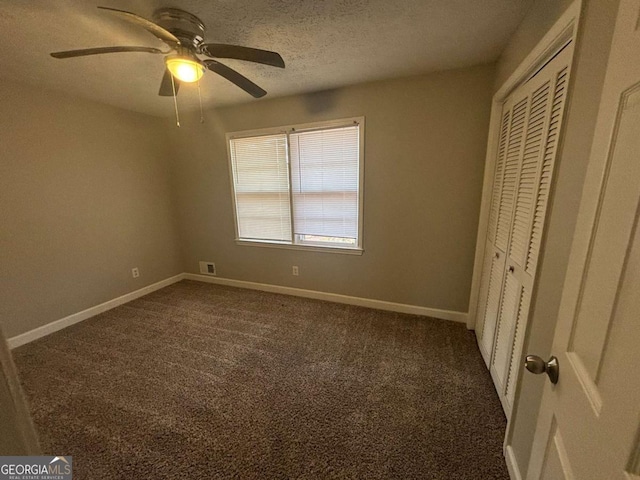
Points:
(184, 68)
(184, 34)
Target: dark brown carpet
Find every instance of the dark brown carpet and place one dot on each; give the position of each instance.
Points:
(198, 381)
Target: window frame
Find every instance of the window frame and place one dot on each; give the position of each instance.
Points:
(288, 129)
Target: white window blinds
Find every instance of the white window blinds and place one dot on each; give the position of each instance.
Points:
(299, 185)
(324, 182)
(261, 186)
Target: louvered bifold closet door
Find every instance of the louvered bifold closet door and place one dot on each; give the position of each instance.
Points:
(517, 291)
(507, 166)
(546, 95)
(542, 196)
(529, 260)
(491, 280)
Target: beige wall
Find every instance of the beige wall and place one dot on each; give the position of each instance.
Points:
(425, 143)
(539, 19)
(85, 195)
(592, 50)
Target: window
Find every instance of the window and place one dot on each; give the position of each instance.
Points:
(299, 186)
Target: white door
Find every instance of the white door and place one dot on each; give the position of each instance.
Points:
(17, 435)
(589, 423)
(530, 126)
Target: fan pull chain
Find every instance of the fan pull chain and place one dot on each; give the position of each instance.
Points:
(175, 101)
(200, 98)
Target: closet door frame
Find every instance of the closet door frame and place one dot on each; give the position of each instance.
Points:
(564, 30)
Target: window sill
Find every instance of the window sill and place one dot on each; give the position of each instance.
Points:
(307, 248)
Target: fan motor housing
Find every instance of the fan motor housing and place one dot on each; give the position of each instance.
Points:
(188, 28)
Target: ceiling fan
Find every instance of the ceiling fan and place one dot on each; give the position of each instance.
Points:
(184, 34)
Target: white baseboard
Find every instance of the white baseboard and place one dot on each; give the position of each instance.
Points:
(44, 330)
(334, 297)
(512, 464)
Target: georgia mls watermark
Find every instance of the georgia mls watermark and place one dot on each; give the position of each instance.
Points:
(36, 468)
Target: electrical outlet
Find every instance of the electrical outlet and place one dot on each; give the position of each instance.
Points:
(135, 272)
(207, 268)
(295, 271)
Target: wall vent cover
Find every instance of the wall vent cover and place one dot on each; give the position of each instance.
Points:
(207, 268)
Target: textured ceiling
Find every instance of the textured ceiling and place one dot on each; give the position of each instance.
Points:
(325, 44)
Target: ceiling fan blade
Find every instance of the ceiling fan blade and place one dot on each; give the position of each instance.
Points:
(101, 50)
(165, 35)
(221, 50)
(236, 78)
(166, 87)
